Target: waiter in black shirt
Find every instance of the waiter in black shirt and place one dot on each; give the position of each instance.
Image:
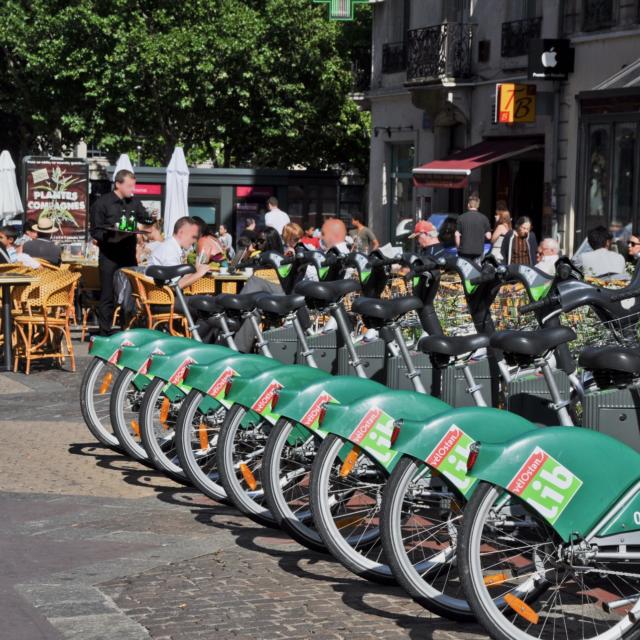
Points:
(117, 249)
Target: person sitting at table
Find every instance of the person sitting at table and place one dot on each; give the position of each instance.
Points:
(148, 242)
(42, 246)
(9, 253)
(210, 245)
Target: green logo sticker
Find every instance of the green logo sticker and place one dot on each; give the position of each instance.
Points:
(322, 272)
(450, 458)
(364, 276)
(415, 281)
(285, 270)
(545, 484)
(373, 434)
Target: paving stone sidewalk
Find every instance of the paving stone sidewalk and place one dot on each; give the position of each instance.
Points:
(95, 546)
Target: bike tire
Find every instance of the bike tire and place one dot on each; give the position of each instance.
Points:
(118, 408)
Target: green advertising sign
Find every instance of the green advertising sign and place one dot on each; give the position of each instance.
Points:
(342, 9)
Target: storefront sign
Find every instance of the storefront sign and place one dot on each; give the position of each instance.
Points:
(254, 192)
(550, 59)
(143, 189)
(515, 103)
(441, 180)
(58, 189)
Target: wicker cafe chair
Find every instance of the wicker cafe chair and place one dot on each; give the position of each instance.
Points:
(203, 286)
(159, 305)
(88, 294)
(45, 322)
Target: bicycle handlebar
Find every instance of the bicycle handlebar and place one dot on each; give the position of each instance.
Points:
(623, 295)
(540, 304)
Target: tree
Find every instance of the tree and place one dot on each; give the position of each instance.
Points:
(257, 82)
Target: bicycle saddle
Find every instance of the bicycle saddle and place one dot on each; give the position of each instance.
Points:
(532, 343)
(280, 305)
(327, 291)
(239, 301)
(385, 309)
(453, 346)
(163, 275)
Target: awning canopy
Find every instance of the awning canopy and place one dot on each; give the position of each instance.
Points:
(453, 172)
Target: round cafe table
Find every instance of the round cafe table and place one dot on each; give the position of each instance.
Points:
(6, 282)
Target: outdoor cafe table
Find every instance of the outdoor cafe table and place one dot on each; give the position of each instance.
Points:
(225, 282)
(6, 282)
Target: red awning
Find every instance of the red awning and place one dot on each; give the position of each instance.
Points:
(453, 172)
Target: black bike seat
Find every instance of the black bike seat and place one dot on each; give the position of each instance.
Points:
(385, 309)
(205, 305)
(280, 305)
(327, 291)
(239, 301)
(532, 343)
(453, 345)
(611, 358)
(166, 274)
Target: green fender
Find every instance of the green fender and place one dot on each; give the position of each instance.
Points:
(572, 477)
(108, 347)
(369, 422)
(212, 379)
(444, 441)
(302, 402)
(257, 393)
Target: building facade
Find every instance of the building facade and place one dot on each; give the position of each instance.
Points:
(435, 67)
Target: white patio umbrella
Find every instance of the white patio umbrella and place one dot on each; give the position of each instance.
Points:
(10, 203)
(123, 163)
(175, 203)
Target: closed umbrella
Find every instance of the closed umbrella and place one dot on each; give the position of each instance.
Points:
(175, 204)
(10, 203)
(123, 163)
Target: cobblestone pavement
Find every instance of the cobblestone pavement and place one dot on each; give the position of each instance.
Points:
(94, 546)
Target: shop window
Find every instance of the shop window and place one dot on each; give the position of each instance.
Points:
(597, 197)
(400, 187)
(623, 172)
(597, 14)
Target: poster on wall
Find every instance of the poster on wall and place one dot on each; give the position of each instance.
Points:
(57, 189)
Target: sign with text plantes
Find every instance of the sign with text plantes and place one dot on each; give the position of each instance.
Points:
(58, 189)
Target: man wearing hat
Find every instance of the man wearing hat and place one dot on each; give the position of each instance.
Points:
(117, 249)
(426, 236)
(43, 247)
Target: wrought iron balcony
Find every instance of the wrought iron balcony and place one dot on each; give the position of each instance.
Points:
(440, 52)
(394, 57)
(517, 35)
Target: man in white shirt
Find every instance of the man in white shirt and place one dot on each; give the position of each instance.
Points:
(601, 261)
(172, 251)
(547, 256)
(275, 217)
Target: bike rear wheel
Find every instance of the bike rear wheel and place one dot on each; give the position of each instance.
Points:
(523, 582)
(287, 462)
(346, 494)
(243, 437)
(125, 419)
(157, 428)
(95, 395)
(421, 514)
(196, 440)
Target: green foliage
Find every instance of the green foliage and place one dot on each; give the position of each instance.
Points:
(253, 82)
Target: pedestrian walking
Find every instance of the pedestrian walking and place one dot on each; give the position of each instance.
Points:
(275, 217)
(472, 229)
(117, 249)
(503, 226)
(364, 239)
(520, 245)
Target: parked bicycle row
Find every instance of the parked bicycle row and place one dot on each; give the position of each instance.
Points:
(493, 475)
